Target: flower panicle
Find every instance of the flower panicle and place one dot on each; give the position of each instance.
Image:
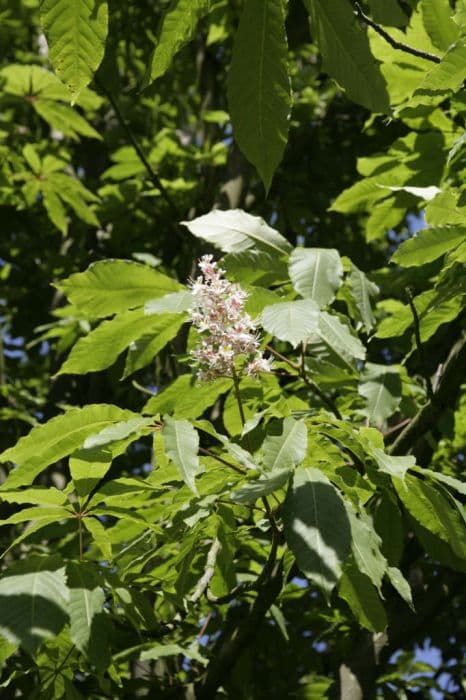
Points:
(228, 331)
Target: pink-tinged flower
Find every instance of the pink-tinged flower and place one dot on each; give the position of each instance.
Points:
(228, 331)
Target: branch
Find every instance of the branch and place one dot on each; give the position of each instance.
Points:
(393, 42)
(445, 395)
(204, 581)
(420, 347)
(137, 147)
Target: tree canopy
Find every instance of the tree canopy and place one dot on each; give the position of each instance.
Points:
(232, 350)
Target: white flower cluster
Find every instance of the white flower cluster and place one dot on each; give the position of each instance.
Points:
(218, 313)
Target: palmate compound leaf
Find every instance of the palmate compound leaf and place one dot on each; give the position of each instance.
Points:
(112, 286)
(346, 53)
(316, 273)
(57, 438)
(292, 321)
(178, 26)
(33, 602)
(317, 528)
(182, 447)
(235, 230)
(260, 104)
(76, 32)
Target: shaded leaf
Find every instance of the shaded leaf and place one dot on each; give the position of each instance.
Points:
(316, 527)
(182, 447)
(288, 449)
(260, 105)
(381, 387)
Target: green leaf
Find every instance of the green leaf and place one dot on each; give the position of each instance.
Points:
(182, 447)
(363, 290)
(381, 387)
(365, 544)
(100, 536)
(76, 32)
(338, 338)
(288, 449)
(267, 484)
(33, 603)
(111, 286)
(66, 119)
(438, 22)
(87, 468)
(177, 28)
(362, 598)
(186, 398)
(316, 527)
(399, 582)
(174, 303)
(316, 273)
(234, 231)
(428, 245)
(395, 466)
(57, 438)
(446, 77)
(433, 511)
(118, 431)
(260, 105)
(346, 53)
(455, 484)
(292, 321)
(388, 12)
(85, 603)
(159, 651)
(142, 351)
(36, 496)
(101, 347)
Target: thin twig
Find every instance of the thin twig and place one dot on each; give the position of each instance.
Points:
(301, 370)
(420, 347)
(393, 42)
(137, 147)
(209, 453)
(209, 570)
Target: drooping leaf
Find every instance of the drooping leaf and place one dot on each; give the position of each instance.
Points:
(438, 22)
(58, 438)
(365, 544)
(316, 273)
(399, 582)
(433, 511)
(182, 447)
(363, 291)
(260, 105)
(362, 598)
(292, 321)
(111, 286)
(287, 449)
(428, 245)
(33, 602)
(381, 387)
(234, 231)
(86, 600)
(76, 31)
(317, 528)
(177, 28)
(346, 54)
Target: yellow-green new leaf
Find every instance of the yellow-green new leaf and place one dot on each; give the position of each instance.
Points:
(428, 245)
(76, 32)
